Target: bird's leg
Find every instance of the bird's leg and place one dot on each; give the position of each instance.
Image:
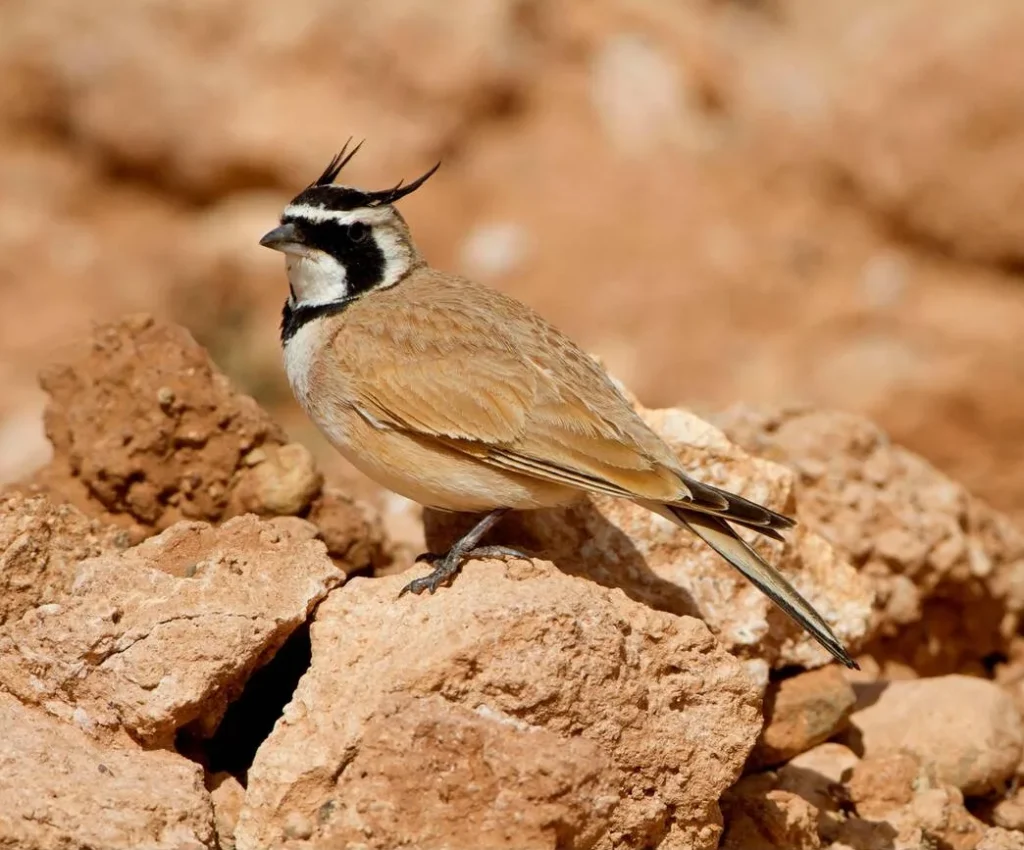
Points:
(447, 565)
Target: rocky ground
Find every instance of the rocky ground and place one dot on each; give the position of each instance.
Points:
(201, 646)
(815, 208)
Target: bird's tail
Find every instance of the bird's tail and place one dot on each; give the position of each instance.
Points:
(721, 537)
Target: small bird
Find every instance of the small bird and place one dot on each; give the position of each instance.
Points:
(463, 399)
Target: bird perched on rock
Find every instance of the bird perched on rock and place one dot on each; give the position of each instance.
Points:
(463, 399)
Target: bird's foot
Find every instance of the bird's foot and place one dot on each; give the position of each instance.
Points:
(448, 565)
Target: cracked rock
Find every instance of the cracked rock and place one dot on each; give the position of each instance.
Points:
(610, 724)
(166, 633)
(62, 789)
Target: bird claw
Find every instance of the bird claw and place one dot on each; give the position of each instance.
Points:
(448, 565)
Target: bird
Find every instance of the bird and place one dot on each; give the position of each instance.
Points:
(464, 399)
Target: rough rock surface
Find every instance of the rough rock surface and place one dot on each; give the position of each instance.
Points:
(61, 789)
(146, 431)
(801, 712)
(890, 802)
(166, 633)
(967, 731)
(522, 654)
(40, 543)
(619, 544)
(948, 570)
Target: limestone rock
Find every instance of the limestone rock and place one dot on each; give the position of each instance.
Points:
(619, 544)
(166, 633)
(997, 838)
(892, 801)
(898, 790)
(432, 774)
(966, 730)
(62, 789)
(280, 481)
(801, 712)
(40, 544)
(762, 817)
(550, 657)
(227, 796)
(931, 550)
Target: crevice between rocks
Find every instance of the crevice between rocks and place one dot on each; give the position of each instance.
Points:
(250, 718)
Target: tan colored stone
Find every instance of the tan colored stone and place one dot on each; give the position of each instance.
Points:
(965, 730)
(673, 714)
(948, 571)
(167, 633)
(483, 781)
(39, 545)
(918, 105)
(800, 712)
(1005, 810)
(61, 789)
(147, 431)
(279, 480)
(619, 544)
(761, 817)
(816, 774)
(996, 838)
(352, 532)
(227, 796)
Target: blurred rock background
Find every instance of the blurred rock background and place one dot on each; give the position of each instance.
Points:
(761, 201)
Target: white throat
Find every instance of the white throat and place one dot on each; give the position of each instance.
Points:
(315, 278)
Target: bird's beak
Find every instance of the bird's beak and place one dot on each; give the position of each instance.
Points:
(285, 238)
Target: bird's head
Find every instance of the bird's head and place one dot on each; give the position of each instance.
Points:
(340, 242)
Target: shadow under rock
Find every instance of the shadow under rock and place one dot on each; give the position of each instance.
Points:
(251, 718)
(551, 533)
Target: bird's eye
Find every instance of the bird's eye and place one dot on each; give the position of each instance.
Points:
(358, 231)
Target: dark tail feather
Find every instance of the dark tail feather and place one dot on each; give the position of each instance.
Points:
(724, 540)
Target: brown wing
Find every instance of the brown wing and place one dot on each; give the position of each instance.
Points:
(481, 373)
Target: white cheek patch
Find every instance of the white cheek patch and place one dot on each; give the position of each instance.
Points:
(397, 257)
(316, 278)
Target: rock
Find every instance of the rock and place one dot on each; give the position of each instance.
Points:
(948, 571)
(63, 789)
(462, 788)
(206, 135)
(147, 431)
(40, 544)
(227, 796)
(353, 534)
(1001, 839)
(522, 645)
(816, 774)
(966, 730)
(760, 816)
(280, 481)
(963, 76)
(1006, 810)
(619, 544)
(892, 801)
(144, 428)
(166, 634)
(899, 790)
(801, 712)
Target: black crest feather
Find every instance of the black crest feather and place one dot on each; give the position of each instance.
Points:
(323, 193)
(338, 162)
